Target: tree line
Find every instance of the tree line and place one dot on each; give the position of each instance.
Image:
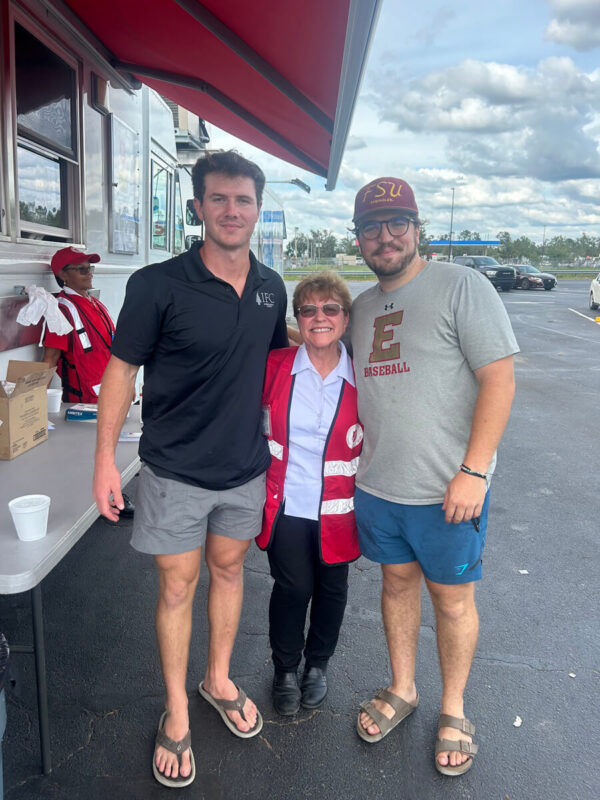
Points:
(323, 244)
(522, 249)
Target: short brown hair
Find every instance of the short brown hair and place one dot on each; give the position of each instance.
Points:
(227, 162)
(324, 284)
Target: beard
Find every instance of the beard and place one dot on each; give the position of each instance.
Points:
(394, 268)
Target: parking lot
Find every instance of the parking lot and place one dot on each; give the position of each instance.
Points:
(537, 659)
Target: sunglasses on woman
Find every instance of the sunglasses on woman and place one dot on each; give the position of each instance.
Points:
(83, 270)
(310, 310)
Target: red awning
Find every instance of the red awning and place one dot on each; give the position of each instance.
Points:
(280, 74)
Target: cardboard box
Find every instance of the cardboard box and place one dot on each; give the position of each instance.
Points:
(24, 414)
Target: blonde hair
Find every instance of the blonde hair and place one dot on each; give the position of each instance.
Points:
(323, 284)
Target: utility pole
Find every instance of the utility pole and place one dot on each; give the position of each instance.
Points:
(451, 224)
(544, 242)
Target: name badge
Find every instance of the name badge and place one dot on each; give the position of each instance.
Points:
(266, 420)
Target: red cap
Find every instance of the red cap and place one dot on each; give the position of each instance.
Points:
(68, 255)
(385, 193)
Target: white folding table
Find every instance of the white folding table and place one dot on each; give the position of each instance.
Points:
(62, 468)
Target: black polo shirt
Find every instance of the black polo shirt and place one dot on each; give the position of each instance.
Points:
(204, 351)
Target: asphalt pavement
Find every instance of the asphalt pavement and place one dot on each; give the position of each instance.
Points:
(533, 691)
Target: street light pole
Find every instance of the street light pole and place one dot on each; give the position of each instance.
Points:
(305, 188)
(544, 242)
(295, 182)
(451, 224)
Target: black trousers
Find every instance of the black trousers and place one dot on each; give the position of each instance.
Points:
(299, 577)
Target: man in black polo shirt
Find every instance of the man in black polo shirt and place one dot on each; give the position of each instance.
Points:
(202, 325)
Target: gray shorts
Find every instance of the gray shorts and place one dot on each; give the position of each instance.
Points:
(173, 517)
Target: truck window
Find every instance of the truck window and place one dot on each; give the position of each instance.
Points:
(47, 152)
(178, 238)
(161, 208)
(124, 188)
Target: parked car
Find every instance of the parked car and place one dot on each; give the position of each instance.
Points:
(502, 277)
(528, 277)
(595, 293)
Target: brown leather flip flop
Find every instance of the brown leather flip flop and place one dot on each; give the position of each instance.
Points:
(179, 748)
(222, 706)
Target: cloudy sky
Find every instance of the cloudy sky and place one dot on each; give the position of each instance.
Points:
(499, 100)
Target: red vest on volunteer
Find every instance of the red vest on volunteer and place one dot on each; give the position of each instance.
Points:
(337, 525)
(86, 349)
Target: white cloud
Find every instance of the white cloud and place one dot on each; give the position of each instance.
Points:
(355, 143)
(513, 129)
(353, 177)
(436, 25)
(500, 119)
(586, 192)
(576, 23)
(522, 206)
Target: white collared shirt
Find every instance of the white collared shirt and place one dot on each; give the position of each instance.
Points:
(314, 401)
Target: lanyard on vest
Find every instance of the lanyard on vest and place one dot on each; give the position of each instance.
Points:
(79, 329)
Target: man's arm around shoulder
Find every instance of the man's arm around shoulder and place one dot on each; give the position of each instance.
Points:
(114, 400)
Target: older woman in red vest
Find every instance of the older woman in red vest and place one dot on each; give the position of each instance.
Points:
(309, 531)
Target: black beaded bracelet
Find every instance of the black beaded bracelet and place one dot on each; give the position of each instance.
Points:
(464, 468)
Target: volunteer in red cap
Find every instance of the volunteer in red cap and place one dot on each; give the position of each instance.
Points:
(433, 357)
(80, 356)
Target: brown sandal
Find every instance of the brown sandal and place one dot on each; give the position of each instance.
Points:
(222, 706)
(402, 709)
(179, 748)
(452, 746)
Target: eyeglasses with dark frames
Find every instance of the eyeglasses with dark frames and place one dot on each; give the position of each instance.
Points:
(83, 270)
(309, 310)
(397, 226)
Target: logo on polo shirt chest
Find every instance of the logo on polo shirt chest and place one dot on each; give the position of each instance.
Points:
(266, 299)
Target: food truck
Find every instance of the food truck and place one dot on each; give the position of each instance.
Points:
(88, 158)
(88, 153)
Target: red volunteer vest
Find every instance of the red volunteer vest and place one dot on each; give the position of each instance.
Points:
(337, 526)
(84, 358)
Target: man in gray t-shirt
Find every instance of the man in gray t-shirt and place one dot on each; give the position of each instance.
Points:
(433, 350)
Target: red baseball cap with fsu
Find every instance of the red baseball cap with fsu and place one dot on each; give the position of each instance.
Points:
(385, 194)
(68, 255)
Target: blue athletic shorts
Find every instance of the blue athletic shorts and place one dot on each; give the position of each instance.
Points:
(393, 533)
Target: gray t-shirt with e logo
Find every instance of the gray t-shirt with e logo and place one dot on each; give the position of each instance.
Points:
(415, 350)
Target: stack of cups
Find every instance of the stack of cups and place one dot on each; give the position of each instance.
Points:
(30, 515)
(54, 400)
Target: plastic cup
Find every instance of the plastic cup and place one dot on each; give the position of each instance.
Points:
(30, 515)
(54, 400)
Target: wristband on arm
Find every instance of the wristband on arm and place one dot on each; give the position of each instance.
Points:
(468, 471)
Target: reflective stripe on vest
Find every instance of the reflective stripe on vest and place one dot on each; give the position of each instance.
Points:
(346, 468)
(79, 329)
(276, 449)
(342, 506)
